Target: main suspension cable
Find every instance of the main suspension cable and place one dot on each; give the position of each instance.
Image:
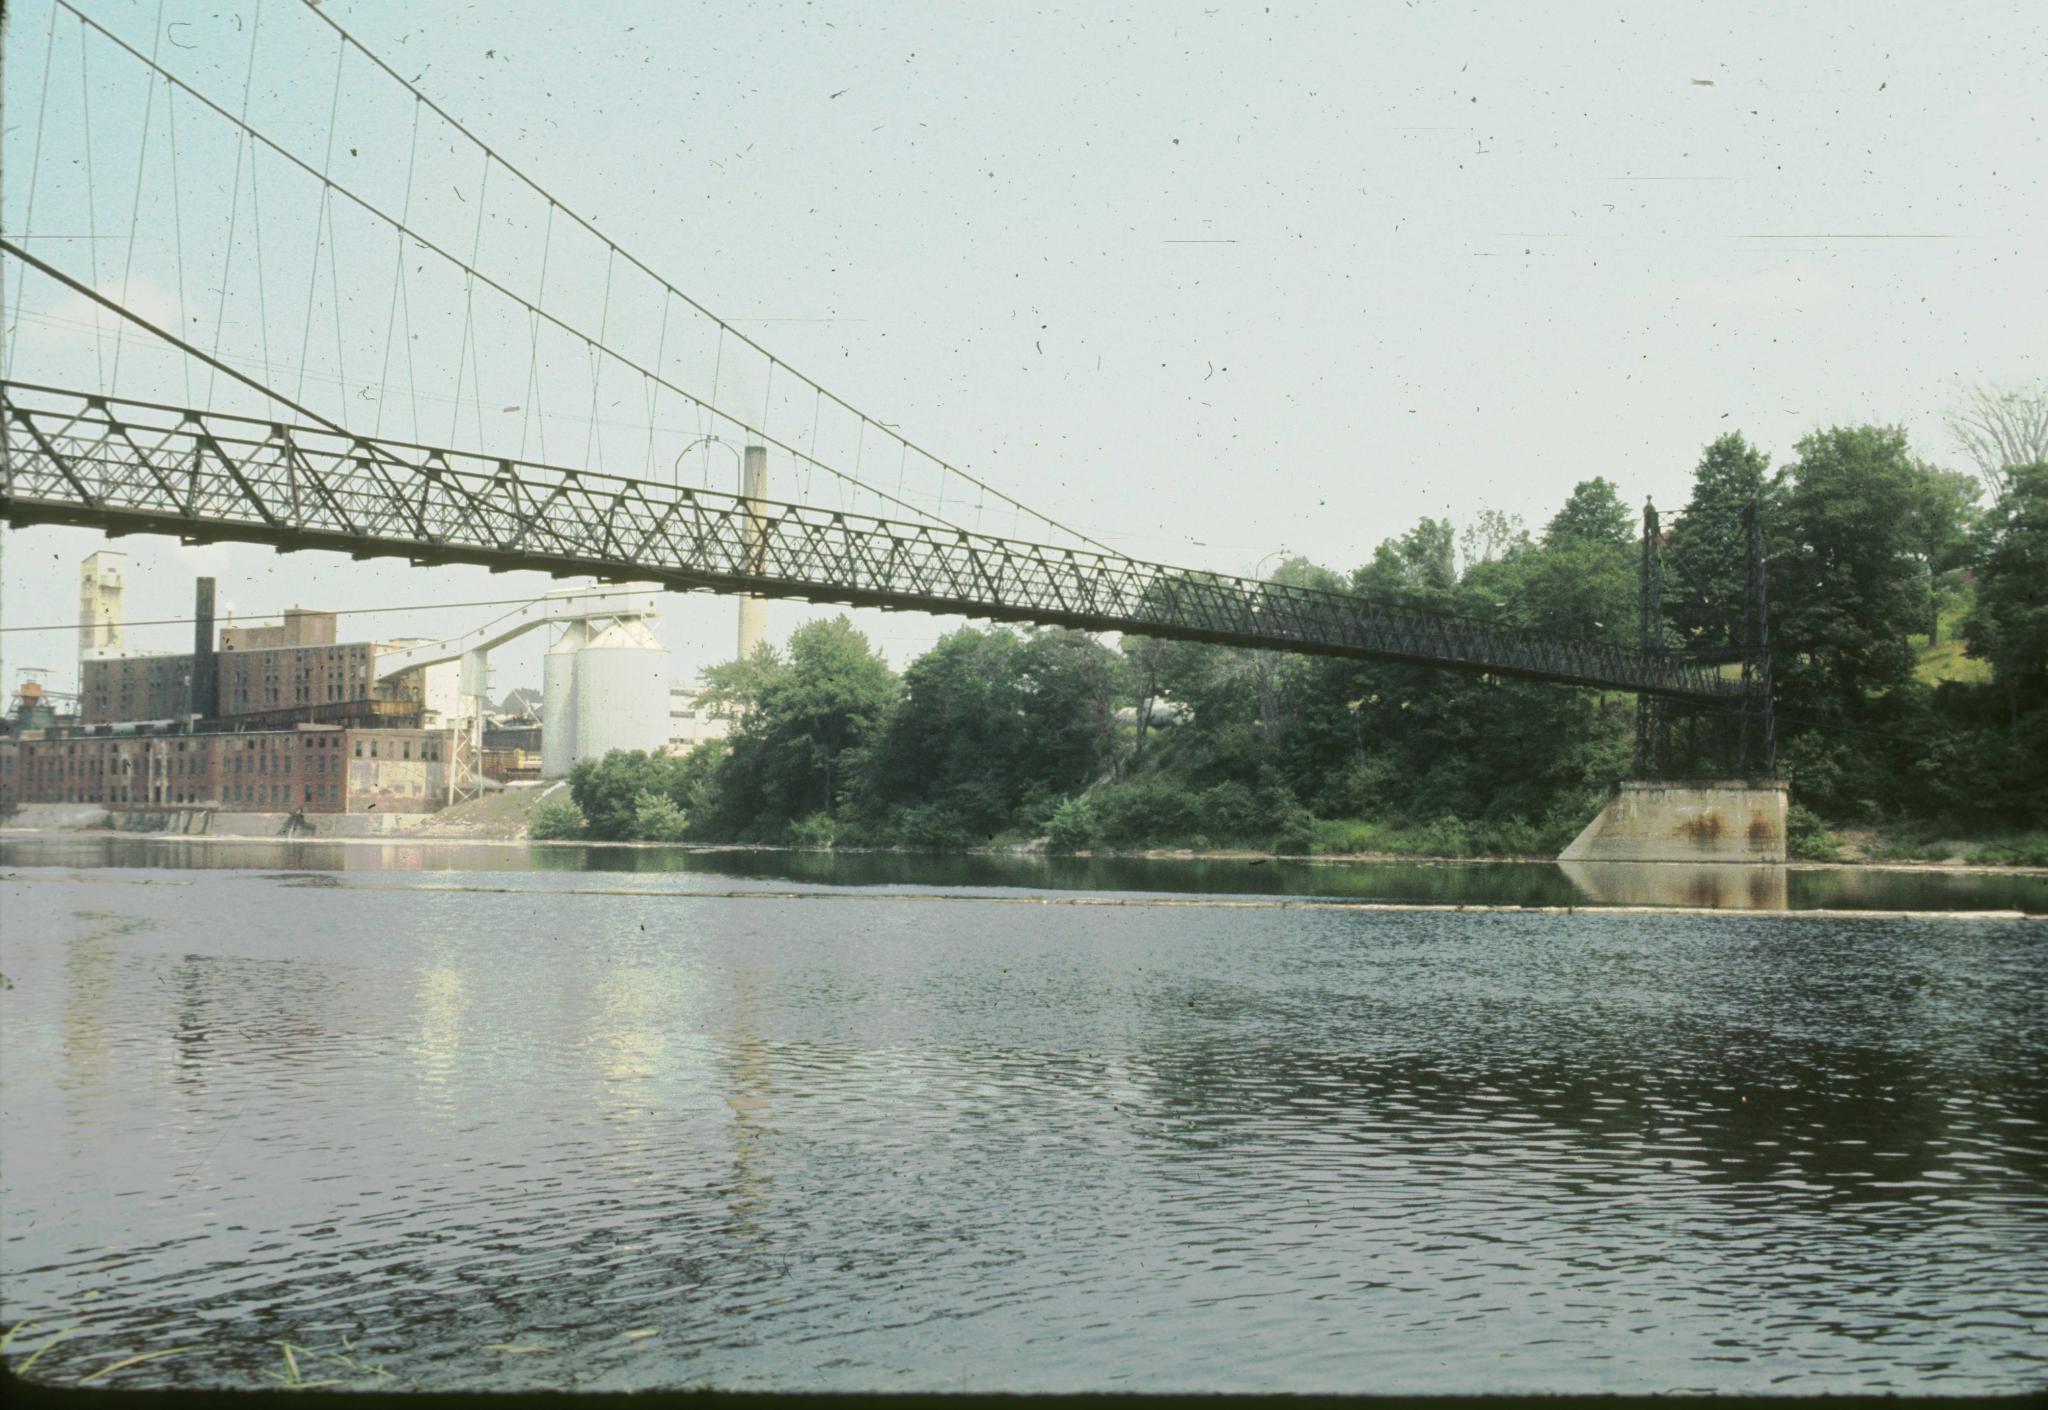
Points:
(630, 258)
(424, 243)
(141, 169)
(34, 170)
(227, 263)
(78, 287)
(92, 222)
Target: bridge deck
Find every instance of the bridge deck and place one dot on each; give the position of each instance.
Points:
(69, 457)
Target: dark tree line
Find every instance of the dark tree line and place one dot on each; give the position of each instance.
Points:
(997, 735)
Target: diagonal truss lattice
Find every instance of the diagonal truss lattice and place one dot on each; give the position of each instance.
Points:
(69, 457)
(476, 244)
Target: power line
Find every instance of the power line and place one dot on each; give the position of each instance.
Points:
(215, 363)
(34, 171)
(476, 274)
(337, 612)
(723, 326)
(473, 273)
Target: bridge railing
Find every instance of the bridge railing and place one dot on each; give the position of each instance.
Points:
(127, 466)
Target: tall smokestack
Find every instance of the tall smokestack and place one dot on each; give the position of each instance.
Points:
(205, 670)
(753, 489)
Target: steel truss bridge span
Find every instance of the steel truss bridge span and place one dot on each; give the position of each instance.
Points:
(120, 466)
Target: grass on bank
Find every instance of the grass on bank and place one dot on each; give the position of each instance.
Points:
(1099, 825)
(1946, 660)
(1809, 839)
(1443, 837)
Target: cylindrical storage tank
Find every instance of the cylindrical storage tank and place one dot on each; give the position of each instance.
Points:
(558, 701)
(621, 690)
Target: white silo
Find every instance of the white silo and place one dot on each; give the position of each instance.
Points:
(558, 701)
(621, 689)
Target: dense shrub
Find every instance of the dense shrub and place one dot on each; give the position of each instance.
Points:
(1807, 838)
(556, 822)
(1295, 836)
(817, 830)
(930, 827)
(1147, 812)
(1072, 827)
(656, 818)
(2027, 850)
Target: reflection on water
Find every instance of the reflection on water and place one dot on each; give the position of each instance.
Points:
(526, 1134)
(1723, 887)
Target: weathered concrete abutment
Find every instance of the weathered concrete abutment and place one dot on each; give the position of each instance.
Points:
(1711, 820)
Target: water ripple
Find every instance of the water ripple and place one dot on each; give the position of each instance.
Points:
(515, 1138)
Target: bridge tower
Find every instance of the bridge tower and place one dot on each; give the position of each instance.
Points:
(1757, 752)
(1650, 723)
(1712, 795)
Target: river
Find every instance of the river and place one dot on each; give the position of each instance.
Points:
(511, 1118)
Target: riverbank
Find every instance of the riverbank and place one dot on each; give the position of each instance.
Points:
(1867, 857)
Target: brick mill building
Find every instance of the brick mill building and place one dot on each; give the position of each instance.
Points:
(307, 768)
(280, 719)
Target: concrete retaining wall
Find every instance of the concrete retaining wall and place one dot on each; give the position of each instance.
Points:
(56, 817)
(1696, 821)
(188, 822)
(318, 824)
(181, 822)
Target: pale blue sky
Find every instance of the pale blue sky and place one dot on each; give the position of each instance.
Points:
(1206, 280)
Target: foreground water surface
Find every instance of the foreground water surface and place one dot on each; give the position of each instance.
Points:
(497, 1118)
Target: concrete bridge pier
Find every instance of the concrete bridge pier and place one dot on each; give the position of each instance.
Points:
(1693, 820)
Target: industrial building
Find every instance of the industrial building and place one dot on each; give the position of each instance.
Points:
(263, 719)
(690, 721)
(288, 718)
(511, 738)
(604, 686)
(250, 681)
(309, 769)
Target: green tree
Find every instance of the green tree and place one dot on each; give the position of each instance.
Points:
(2009, 625)
(1942, 524)
(1421, 563)
(1146, 659)
(1706, 562)
(730, 687)
(1223, 735)
(608, 791)
(1072, 686)
(1583, 587)
(1848, 583)
(956, 743)
(803, 726)
(1593, 514)
(556, 822)
(1493, 536)
(656, 818)
(1155, 664)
